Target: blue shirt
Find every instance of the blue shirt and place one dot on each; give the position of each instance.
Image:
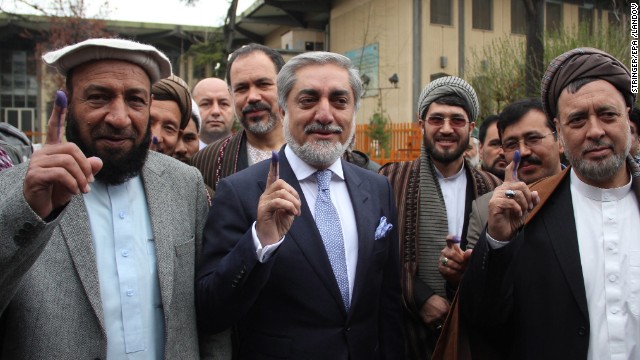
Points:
(126, 261)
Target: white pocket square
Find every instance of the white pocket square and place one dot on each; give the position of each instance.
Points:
(383, 228)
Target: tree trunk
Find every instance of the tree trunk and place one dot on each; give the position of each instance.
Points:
(535, 46)
(230, 25)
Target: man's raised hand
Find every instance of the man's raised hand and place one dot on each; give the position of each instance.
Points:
(277, 208)
(58, 170)
(509, 206)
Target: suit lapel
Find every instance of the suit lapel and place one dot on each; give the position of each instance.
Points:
(159, 209)
(564, 240)
(366, 226)
(76, 233)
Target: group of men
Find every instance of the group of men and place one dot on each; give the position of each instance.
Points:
(109, 250)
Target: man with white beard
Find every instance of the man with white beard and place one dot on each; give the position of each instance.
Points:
(301, 251)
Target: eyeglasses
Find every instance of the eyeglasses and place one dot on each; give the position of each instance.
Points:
(530, 141)
(453, 121)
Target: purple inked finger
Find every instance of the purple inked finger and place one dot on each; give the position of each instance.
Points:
(61, 99)
(516, 164)
(61, 102)
(455, 240)
(275, 160)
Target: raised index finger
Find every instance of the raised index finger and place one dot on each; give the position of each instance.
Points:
(274, 168)
(511, 171)
(57, 119)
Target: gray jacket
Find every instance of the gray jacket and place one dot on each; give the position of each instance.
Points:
(50, 303)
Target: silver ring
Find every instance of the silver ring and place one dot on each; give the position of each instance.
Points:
(510, 194)
(444, 261)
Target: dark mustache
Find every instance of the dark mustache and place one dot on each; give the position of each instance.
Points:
(110, 132)
(595, 144)
(498, 159)
(259, 106)
(530, 160)
(446, 137)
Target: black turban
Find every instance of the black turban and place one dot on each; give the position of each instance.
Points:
(583, 63)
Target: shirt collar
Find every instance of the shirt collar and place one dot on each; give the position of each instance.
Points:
(302, 170)
(599, 194)
(452, 177)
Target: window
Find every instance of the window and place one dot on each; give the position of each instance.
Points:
(441, 11)
(553, 17)
(518, 17)
(481, 14)
(19, 87)
(585, 19)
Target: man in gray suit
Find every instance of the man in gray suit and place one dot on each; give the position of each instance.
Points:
(522, 126)
(99, 236)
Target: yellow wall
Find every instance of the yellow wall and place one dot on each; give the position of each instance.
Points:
(357, 23)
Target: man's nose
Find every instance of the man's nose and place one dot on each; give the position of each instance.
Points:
(254, 95)
(117, 115)
(324, 114)
(215, 109)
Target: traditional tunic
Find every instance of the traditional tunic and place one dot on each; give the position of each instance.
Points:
(422, 228)
(222, 158)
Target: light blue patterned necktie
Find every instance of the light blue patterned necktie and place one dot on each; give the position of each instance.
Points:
(328, 223)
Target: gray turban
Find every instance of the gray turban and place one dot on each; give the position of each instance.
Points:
(449, 85)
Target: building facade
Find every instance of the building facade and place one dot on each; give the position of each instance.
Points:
(27, 85)
(401, 45)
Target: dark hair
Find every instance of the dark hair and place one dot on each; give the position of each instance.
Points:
(245, 50)
(451, 100)
(634, 116)
(488, 121)
(68, 85)
(516, 110)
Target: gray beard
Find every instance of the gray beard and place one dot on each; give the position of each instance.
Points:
(319, 154)
(598, 170)
(260, 127)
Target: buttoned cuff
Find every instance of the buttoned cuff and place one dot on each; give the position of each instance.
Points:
(495, 244)
(263, 253)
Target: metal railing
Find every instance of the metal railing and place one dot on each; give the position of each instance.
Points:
(404, 143)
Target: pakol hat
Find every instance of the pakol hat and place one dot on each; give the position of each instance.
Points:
(153, 61)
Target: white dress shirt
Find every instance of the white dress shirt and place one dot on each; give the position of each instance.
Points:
(127, 273)
(340, 198)
(608, 227)
(454, 193)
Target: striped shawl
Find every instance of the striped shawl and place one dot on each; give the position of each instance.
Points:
(405, 181)
(222, 158)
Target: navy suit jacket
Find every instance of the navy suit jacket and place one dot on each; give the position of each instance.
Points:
(290, 306)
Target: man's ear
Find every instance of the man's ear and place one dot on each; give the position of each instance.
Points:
(559, 137)
(421, 124)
